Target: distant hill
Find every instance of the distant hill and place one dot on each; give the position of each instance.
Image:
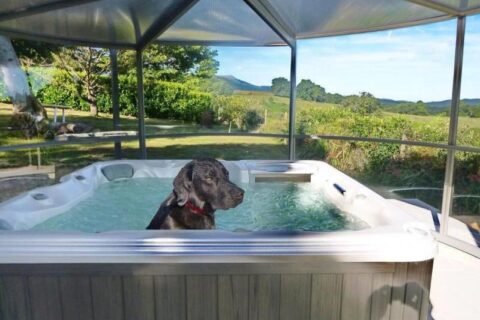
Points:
(446, 103)
(432, 104)
(240, 85)
(390, 102)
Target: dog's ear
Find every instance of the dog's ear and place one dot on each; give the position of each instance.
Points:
(182, 185)
(162, 212)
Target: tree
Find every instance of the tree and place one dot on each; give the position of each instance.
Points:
(281, 87)
(333, 98)
(418, 108)
(85, 66)
(172, 63)
(34, 53)
(307, 90)
(364, 104)
(28, 114)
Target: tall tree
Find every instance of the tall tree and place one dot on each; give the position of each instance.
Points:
(172, 62)
(85, 66)
(364, 104)
(307, 90)
(28, 113)
(281, 87)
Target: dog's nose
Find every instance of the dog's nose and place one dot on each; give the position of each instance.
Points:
(238, 193)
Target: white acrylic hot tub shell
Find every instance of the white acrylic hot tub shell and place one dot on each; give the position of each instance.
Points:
(395, 235)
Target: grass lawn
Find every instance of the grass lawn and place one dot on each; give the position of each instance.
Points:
(74, 156)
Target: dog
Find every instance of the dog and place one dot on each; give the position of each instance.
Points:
(201, 187)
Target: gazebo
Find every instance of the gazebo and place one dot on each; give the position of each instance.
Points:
(133, 25)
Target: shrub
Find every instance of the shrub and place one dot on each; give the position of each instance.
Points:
(356, 156)
(62, 91)
(162, 99)
(238, 110)
(174, 101)
(252, 120)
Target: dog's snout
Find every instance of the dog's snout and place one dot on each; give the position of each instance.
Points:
(238, 193)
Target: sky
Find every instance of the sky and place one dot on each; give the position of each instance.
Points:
(414, 63)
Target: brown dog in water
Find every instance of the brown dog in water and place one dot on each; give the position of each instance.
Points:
(201, 187)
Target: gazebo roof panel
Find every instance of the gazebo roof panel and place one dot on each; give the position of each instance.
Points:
(134, 23)
(226, 21)
(311, 18)
(104, 22)
(460, 5)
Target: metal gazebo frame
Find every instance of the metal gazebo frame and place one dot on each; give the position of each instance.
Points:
(273, 19)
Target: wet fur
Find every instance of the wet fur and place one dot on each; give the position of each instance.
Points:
(205, 183)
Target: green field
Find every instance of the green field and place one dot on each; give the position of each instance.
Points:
(274, 108)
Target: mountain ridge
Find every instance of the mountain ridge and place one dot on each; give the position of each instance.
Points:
(237, 84)
(241, 85)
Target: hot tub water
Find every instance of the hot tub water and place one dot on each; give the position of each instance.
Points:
(129, 204)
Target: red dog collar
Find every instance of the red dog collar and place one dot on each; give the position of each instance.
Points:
(194, 208)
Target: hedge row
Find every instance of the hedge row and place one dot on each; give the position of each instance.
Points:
(162, 99)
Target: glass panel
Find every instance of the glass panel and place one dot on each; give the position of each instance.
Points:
(214, 22)
(236, 100)
(71, 96)
(380, 85)
(394, 171)
(311, 18)
(469, 117)
(26, 169)
(464, 221)
(224, 147)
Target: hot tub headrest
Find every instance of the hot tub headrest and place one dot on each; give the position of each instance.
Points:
(118, 171)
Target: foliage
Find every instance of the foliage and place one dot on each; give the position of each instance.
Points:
(34, 52)
(85, 66)
(162, 99)
(307, 90)
(418, 108)
(252, 120)
(62, 91)
(171, 62)
(333, 98)
(358, 156)
(3, 93)
(472, 111)
(281, 87)
(237, 110)
(365, 103)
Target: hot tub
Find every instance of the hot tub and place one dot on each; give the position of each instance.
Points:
(372, 272)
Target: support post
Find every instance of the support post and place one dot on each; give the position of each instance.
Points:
(448, 185)
(115, 101)
(141, 106)
(293, 91)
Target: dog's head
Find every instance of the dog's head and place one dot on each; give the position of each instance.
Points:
(206, 181)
